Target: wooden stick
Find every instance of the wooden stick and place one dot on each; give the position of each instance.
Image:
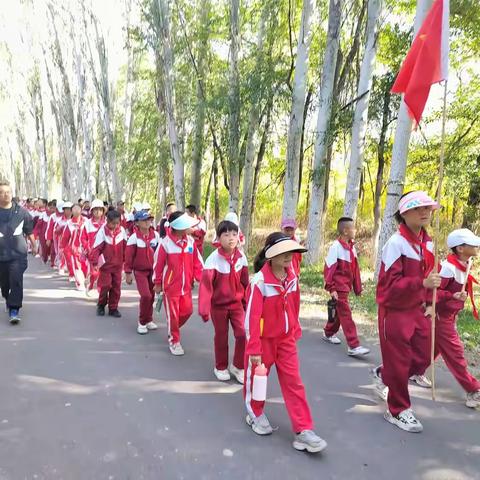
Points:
(437, 235)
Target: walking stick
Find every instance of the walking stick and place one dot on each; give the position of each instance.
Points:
(437, 235)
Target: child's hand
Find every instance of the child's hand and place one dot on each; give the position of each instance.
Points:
(462, 296)
(128, 278)
(334, 295)
(428, 311)
(255, 359)
(205, 318)
(157, 288)
(432, 281)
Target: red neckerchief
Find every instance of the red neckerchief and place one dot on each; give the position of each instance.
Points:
(353, 259)
(181, 242)
(281, 286)
(453, 259)
(147, 238)
(232, 259)
(428, 259)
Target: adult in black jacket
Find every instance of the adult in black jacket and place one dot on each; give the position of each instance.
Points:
(15, 224)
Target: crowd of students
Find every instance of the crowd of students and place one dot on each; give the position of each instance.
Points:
(96, 243)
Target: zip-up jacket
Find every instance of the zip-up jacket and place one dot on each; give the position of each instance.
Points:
(400, 281)
(342, 272)
(12, 240)
(89, 232)
(272, 308)
(140, 250)
(111, 246)
(224, 281)
(71, 234)
(50, 231)
(453, 280)
(177, 262)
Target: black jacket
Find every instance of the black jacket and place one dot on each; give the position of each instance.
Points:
(12, 233)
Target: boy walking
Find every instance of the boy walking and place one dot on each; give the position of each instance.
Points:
(342, 274)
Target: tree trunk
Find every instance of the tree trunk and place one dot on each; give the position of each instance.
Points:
(302, 141)
(234, 106)
(215, 188)
(297, 114)
(360, 119)
(323, 121)
(198, 145)
(251, 142)
(381, 166)
(166, 57)
(398, 168)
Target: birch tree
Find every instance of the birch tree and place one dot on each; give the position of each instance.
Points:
(401, 142)
(360, 118)
(234, 106)
(252, 133)
(327, 81)
(198, 145)
(295, 126)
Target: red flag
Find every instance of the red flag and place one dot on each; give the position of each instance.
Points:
(426, 62)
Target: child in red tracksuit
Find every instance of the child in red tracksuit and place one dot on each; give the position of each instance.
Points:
(177, 263)
(451, 296)
(50, 237)
(272, 328)
(342, 274)
(141, 247)
(404, 286)
(108, 256)
(221, 297)
(289, 227)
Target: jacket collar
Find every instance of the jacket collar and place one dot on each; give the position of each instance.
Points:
(270, 279)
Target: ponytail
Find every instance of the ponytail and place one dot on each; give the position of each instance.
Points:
(259, 261)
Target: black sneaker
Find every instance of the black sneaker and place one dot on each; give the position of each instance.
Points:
(114, 313)
(100, 310)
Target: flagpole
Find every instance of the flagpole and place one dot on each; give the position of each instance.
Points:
(437, 234)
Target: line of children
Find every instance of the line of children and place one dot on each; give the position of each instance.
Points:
(221, 297)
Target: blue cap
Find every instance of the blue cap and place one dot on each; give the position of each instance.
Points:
(142, 215)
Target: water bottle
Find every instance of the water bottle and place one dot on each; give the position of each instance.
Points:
(259, 391)
(158, 305)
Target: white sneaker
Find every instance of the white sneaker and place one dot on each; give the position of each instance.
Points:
(334, 340)
(380, 388)
(72, 280)
(421, 381)
(176, 349)
(308, 440)
(238, 373)
(358, 351)
(404, 420)
(151, 325)
(142, 329)
(222, 375)
(473, 400)
(260, 425)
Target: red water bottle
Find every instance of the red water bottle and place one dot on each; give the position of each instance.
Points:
(259, 390)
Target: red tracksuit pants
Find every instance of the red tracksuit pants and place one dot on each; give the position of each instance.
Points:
(221, 318)
(76, 264)
(450, 347)
(178, 310)
(143, 279)
(405, 344)
(343, 319)
(110, 286)
(281, 352)
(44, 250)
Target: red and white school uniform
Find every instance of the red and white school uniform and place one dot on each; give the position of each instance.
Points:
(39, 231)
(88, 233)
(272, 328)
(222, 296)
(342, 274)
(51, 236)
(198, 233)
(72, 249)
(447, 340)
(58, 233)
(139, 255)
(404, 330)
(109, 254)
(177, 263)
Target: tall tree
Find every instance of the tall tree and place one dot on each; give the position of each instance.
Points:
(296, 124)
(234, 106)
(198, 145)
(398, 168)
(360, 118)
(314, 238)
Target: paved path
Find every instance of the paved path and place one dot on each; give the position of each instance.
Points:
(87, 398)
